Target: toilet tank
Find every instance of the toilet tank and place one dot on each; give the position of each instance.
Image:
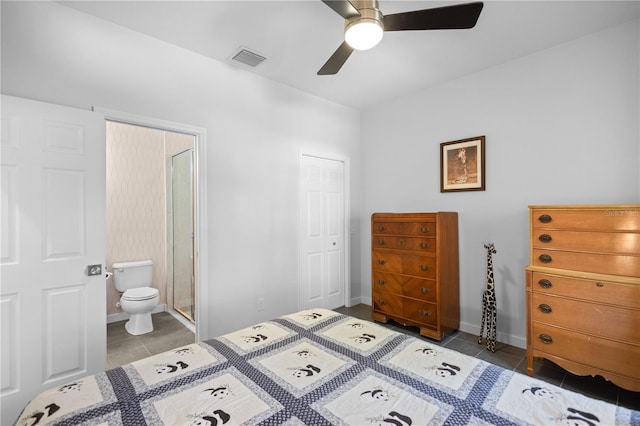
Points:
(127, 275)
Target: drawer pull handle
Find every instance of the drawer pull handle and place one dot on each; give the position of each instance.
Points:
(545, 258)
(424, 313)
(425, 267)
(544, 308)
(545, 283)
(381, 242)
(425, 290)
(382, 228)
(425, 229)
(381, 262)
(544, 218)
(599, 284)
(545, 238)
(546, 339)
(382, 302)
(382, 282)
(425, 245)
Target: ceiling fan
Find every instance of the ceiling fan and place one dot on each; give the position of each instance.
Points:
(364, 25)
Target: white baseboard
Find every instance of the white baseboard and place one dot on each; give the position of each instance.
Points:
(364, 300)
(509, 339)
(358, 300)
(122, 316)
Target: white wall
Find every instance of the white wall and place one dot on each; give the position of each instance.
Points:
(561, 126)
(254, 126)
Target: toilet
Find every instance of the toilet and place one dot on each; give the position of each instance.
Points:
(133, 280)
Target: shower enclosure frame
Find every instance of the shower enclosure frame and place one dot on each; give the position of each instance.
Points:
(181, 265)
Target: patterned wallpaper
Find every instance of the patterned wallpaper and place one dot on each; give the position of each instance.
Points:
(136, 199)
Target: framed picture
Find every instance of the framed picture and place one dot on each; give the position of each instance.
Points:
(462, 165)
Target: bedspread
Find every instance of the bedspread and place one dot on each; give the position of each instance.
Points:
(316, 367)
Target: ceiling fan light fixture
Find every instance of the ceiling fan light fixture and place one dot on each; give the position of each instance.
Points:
(364, 31)
(364, 34)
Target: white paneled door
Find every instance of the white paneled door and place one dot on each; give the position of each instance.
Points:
(53, 226)
(322, 228)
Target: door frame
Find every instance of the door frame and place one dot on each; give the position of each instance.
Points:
(200, 182)
(346, 182)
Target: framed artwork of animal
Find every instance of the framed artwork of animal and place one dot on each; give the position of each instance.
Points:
(462, 165)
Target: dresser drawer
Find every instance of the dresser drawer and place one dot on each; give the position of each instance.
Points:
(593, 351)
(596, 291)
(426, 229)
(422, 312)
(388, 303)
(422, 289)
(588, 317)
(420, 266)
(388, 283)
(423, 228)
(387, 228)
(386, 262)
(601, 242)
(615, 264)
(427, 245)
(597, 219)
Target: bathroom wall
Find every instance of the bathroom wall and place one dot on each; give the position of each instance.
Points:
(136, 200)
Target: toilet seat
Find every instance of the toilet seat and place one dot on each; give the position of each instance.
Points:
(141, 293)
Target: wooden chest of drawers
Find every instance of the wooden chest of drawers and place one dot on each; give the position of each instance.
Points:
(415, 276)
(583, 290)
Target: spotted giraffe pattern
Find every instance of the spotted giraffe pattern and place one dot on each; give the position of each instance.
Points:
(489, 305)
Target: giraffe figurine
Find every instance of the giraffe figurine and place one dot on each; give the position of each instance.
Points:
(489, 305)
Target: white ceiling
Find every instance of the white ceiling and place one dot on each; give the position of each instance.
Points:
(297, 37)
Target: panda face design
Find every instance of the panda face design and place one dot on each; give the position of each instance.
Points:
(364, 338)
(312, 316)
(308, 371)
(443, 373)
(164, 369)
(375, 395)
(69, 387)
(171, 368)
(447, 370)
(538, 392)
(356, 325)
(304, 354)
(255, 339)
(183, 351)
(426, 352)
(217, 417)
(219, 393)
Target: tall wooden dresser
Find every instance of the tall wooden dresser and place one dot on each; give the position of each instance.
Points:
(583, 290)
(415, 276)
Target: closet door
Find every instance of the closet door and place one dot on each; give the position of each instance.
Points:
(322, 228)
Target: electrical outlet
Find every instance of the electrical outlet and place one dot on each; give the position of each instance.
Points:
(261, 303)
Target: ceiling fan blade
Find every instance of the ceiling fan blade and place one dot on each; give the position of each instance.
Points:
(337, 60)
(343, 8)
(458, 16)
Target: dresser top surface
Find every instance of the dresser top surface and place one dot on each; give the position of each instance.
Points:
(588, 207)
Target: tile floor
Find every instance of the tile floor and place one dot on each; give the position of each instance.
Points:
(123, 348)
(169, 333)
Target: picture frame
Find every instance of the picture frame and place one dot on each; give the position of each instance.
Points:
(462, 166)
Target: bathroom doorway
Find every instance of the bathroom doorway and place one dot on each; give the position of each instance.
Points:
(151, 213)
(180, 235)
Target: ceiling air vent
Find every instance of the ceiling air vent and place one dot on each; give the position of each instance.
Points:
(247, 57)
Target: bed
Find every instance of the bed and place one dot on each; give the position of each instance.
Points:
(316, 367)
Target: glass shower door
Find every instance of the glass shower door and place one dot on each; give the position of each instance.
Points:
(183, 233)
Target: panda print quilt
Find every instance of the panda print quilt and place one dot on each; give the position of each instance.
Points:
(316, 367)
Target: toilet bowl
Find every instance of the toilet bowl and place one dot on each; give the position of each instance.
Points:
(138, 299)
